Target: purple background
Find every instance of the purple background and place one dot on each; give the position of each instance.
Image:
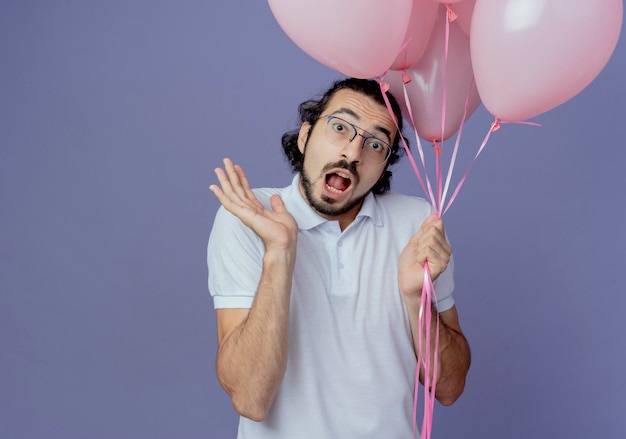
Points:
(113, 115)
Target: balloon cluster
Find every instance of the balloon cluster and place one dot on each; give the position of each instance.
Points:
(520, 58)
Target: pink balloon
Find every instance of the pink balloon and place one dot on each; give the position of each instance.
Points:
(425, 91)
(531, 56)
(464, 10)
(445, 2)
(359, 38)
(422, 20)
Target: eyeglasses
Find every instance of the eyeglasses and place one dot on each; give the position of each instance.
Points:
(340, 132)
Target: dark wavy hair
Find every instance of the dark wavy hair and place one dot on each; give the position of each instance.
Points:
(311, 110)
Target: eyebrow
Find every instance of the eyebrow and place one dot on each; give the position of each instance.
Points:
(348, 111)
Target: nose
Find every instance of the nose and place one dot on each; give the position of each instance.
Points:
(354, 148)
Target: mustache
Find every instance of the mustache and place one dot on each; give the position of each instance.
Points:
(344, 164)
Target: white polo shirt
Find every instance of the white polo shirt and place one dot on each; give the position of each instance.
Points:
(351, 364)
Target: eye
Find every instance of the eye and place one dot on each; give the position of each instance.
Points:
(376, 145)
(339, 127)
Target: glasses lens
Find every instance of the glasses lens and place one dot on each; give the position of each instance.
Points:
(339, 132)
(376, 150)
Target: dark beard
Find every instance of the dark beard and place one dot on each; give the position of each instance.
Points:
(325, 205)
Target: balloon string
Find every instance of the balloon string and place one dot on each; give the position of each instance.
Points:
(420, 149)
(420, 339)
(457, 142)
(437, 151)
(495, 126)
(438, 169)
(426, 187)
(430, 351)
(437, 201)
(428, 293)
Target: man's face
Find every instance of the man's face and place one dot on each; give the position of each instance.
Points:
(335, 179)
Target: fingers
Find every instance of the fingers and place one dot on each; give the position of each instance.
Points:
(233, 182)
(243, 179)
(230, 179)
(277, 204)
(431, 244)
(234, 191)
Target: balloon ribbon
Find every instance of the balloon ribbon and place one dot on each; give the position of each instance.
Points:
(427, 360)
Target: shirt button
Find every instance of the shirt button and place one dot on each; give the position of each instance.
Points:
(341, 266)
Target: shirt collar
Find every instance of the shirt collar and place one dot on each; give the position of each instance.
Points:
(307, 218)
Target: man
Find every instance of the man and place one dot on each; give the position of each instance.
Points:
(317, 286)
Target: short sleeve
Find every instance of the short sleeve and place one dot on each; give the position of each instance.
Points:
(444, 287)
(235, 260)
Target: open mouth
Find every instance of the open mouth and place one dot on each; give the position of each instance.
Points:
(338, 182)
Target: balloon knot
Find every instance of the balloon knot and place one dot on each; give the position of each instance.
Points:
(495, 126)
(437, 148)
(452, 16)
(384, 86)
(405, 77)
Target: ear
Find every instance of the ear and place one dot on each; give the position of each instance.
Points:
(303, 135)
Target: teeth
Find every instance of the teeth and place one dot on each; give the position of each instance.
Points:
(332, 189)
(343, 175)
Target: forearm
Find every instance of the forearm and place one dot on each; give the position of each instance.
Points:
(453, 353)
(251, 361)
